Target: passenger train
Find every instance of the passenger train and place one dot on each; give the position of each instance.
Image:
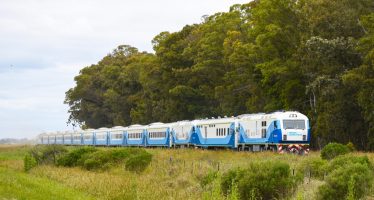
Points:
(282, 131)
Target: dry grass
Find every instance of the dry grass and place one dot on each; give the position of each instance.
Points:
(172, 174)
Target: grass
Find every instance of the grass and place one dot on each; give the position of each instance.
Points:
(172, 174)
(15, 184)
(18, 185)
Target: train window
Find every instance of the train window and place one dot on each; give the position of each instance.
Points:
(100, 136)
(216, 132)
(224, 132)
(117, 136)
(294, 124)
(263, 132)
(263, 123)
(228, 131)
(275, 125)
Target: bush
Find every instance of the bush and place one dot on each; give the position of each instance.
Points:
(315, 166)
(90, 164)
(332, 150)
(91, 158)
(47, 154)
(139, 162)
(29, 162)
(345, 160)
(353, 180)
(267, 180)
(73, 157)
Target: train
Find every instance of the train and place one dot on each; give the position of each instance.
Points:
(280, 131)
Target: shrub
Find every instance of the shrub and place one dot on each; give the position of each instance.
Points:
(29, 162)
(138, 162)
(90, 164)
(351, 181)
(72, 158)
(316, 167)
(345, 160)
(332, 150)
(267, 180)
(92, 158)
(98, 160)
(47, 154)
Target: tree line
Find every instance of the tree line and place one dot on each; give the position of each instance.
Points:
(313, 56)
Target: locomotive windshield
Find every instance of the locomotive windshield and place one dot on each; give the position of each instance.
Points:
(294, 124)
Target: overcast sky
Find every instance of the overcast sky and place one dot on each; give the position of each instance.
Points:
(44, 44)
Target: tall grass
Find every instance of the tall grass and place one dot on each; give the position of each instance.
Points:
(172, 174)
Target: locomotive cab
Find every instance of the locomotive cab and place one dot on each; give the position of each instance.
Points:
(294, 127)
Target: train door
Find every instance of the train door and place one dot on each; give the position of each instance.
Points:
(170, 131)
(206, 133)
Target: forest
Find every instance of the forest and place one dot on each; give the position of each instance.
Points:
(312, 56)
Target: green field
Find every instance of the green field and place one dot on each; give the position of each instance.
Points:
(172, 174)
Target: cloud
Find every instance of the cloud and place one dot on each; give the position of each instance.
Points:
(44, 44)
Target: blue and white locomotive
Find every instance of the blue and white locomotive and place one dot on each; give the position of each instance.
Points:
(286, 131)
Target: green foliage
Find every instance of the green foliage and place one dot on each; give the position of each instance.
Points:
(351, 146)
(72, 158)
(92, 158)
(343, 160)
(315, 167)
(349, 178)
(208, 178)
(138, 162)
(332, 150)
(312, 56)
(48, 154)
(29, 162)
(268, 180)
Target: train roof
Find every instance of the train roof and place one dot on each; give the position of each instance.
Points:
(136, 127)
(116, 128)
(273, 115)
(181, 123)
(214, 120)
(102, 129)
(159, 125)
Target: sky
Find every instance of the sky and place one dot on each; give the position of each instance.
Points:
(44, 44)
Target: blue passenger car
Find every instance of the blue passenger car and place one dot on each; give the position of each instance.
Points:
(44, 139)
(68, 139)
(135, 135)
(52, 139)
(59, 138)
(88, 137)
(77, 138)
(117, 136)
(214, 132)
(101, 136)
(181, 133)
(158, 134)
